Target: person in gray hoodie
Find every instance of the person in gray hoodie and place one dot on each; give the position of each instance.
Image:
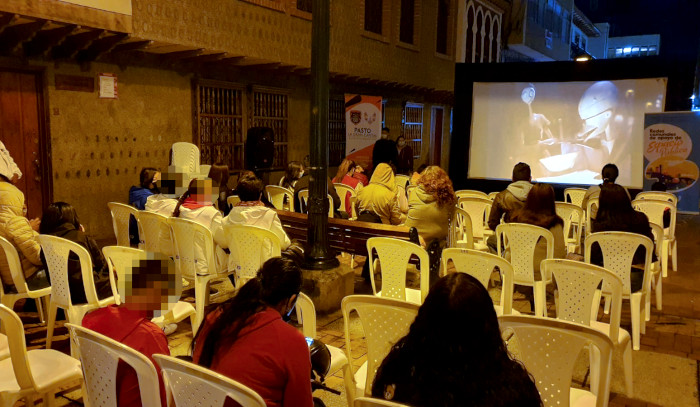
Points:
(510, 199)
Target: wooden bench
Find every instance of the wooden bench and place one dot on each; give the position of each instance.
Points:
(349, 236)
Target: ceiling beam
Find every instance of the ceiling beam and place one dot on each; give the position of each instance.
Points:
(45, 39)
(12, 36)
(205, 58)
(99, 47)
(74, 43)
(131, 46)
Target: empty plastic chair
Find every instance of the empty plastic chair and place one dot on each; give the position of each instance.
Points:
(574, 196)
(343, 191)
(304, 198)
(659, 196)
(471, 193)
(250, 247)
(655, 209)
(460, 232)
(185, 156)
(573, 224)
(121, 215)
(476, 208)
(22, 291)
(393, 256)
(279, 196)
(306, 314)
(193, 385)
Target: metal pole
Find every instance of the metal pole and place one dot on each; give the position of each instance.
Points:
(319, 255)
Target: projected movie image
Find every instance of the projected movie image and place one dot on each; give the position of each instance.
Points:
(566, 131)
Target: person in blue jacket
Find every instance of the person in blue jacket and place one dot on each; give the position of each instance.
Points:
(138, 196)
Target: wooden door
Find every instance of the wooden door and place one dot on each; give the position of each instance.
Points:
(21, 130)
(436, 136)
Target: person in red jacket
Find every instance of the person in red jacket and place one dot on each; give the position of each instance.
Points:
(147, 289)
(247, 339)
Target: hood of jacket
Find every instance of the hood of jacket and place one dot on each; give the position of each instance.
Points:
(261, 216)
(138, 193)
(11, 200)
(520, 189)
(423, 195)
(383, 175)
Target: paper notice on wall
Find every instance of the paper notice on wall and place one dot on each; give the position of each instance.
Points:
(363, 126)
(108, 86)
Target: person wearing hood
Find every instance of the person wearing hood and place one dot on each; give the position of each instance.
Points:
(378, 201)
(513, 197)
(146, 289)
(17, 229)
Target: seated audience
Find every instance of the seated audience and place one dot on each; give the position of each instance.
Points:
(147, 187)
(18, 230)
(513, 197)
(378, 201)
(404, 160)
(616, 213)
(345, 176)
(431, 205)
(171, 187)
(384, 151)
(247, 339)
(610, 173)
(360, 174)
(303, 183)
(61, 220)
(219, 174)
(416, 174)
(145, 291)
(294, 171)
(444, 363)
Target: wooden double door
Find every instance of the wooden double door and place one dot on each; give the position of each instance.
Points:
(23, 132)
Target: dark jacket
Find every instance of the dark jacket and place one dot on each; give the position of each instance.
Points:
(384, 151)
(99, 264)
(303, 183)
(138, 197)
(404, 161)
(508, 200)
(639, 225)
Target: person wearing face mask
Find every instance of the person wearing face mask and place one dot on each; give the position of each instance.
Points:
(404, 160)
(384, 150)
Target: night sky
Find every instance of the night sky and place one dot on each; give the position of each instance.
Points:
(678, 22)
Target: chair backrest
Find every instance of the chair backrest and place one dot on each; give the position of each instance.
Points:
(402, 180)
(574, 196)
(577, 283)
(56, 251)
(658, 232)
(233, 200)
(193, 385)
(18, 347)
(471, 193)
(276, 195)
(304, 198)
(185, 156)
(306, 314)
(155, 233)
(573, 220)
(549, 349)
(343, 191)
(250, 247)
(521, 239)
(370, 402)
(461, 230)
(659, 196)
(384, 321)
(194, 247)
(654, 209)
(476, 207)
(12, 258)
(618, 250)
(121, 214)
(99, 358)
(394, 255)
(481, 265)
(591, 212)
(120, 259)
(492, 195)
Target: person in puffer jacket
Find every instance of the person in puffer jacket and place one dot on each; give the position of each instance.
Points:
(513, 197)
(17, 229)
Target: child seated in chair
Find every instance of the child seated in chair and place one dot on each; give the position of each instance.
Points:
(147, 289)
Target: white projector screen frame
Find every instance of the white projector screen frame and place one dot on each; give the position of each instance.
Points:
(565, 131)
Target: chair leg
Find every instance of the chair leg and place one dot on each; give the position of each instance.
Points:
(49, 399)
(201, 297)
(627, 366)
(40, 310)
(30, 400)
(606, 307)
(540, 299)
(594, 360)
(635, 311)
(350, 386)
(53, 309)
(674, 251)
(658, 290)
(664, 257)
(595, 304)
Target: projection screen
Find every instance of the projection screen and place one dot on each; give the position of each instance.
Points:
(566, 131)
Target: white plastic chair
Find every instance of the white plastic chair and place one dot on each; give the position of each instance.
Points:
(654, 209)
(193, 385)
(481, 265)
(306, 314)
(573, 224)
(9, 299)
(591, 212)
(343, 190)
(28, 374)
(384, 321)
(370, 402)
(304, 197)
(56, 251)
(476, 208)
(100, 356)
(194, 257)
(656, 275)
(121, 259)
(461, 230)
(185, 156)
(402, 180)
(492, 196)
(121, 214)
(659, 196)
(234, 199)
(549, 349)
(618, 250)
(393, 255)
(521, 239)
(574, 196)
(250, 247)
(471, 193)
(154, 233)
(579, 301)
(277, 196)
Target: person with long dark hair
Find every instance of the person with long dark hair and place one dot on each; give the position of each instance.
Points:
(219, 174)
(247, 339)
(453, 354)
(609, 173)
(346, 169)
(138, 195)
(294, 171)
(615, 213)
(61, 220)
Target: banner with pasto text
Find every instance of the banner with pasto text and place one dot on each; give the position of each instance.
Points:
(363, 126)
(672, 155)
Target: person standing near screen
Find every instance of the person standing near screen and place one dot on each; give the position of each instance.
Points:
(510, 199)
(404, 161)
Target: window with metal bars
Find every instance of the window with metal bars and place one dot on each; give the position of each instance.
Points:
(270, 109)
(413, 127)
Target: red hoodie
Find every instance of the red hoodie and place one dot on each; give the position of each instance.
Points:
(135, 330)
(269, 356)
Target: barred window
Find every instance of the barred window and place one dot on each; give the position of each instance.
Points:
(270, 109)
(413, 127)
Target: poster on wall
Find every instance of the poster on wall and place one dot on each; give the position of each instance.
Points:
(672, 154)
(363, 124)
